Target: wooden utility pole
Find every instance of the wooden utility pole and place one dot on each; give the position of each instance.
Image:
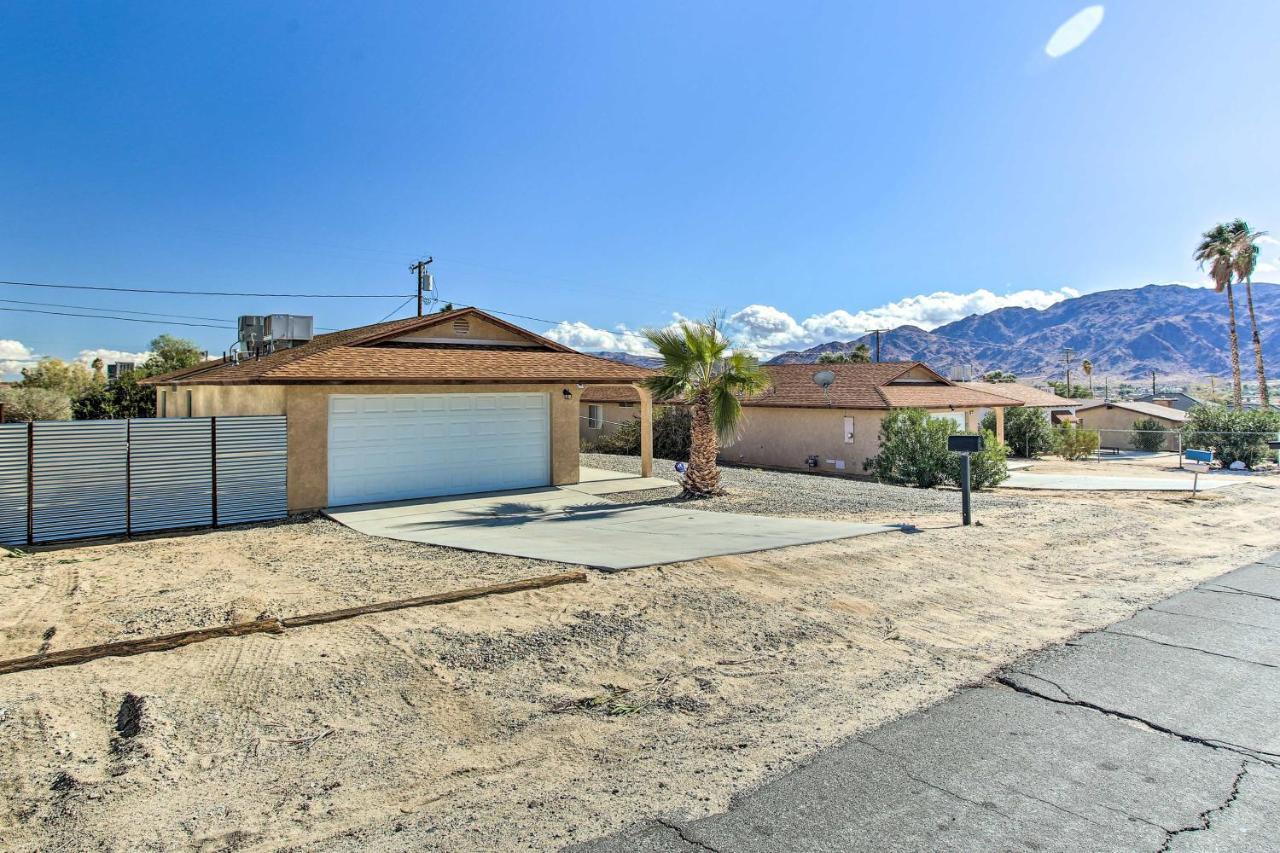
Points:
(1153, 383)
(1067, 352)
(424, 279)
(877, 334)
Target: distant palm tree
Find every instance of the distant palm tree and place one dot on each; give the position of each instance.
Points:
(1087, 367)
(98, 375)
(861, 354)
(699, 365)
(1216, 250)
(1245, 260)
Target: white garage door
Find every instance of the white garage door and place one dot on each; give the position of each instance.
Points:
(388, 447)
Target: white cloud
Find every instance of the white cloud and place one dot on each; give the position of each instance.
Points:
(765, 329)
(14, 355)
(1074, 32)
(580, 336)
(108, 356)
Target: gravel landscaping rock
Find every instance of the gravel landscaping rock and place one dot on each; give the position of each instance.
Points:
(756, 490)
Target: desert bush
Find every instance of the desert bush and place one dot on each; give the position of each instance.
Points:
(123, 398)
(671, 431)
(1026, 430)
(1071, 442)
(1232, 434)
(35, 404)
(1149, 434)
(989, 467)
(913, 449)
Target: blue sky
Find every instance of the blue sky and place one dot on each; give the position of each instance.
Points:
(810, 169)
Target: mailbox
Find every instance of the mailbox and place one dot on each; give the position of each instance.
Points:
(1205, 456)
(962, 443)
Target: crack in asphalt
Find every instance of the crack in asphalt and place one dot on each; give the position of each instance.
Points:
(1205, 817)
(985, 806)
(1248, 752)
(1235, 590)
(1219, 619)
(679, 830)
(1116, 633)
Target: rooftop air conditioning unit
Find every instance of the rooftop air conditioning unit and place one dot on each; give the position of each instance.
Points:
(288, 330)
(251, 332)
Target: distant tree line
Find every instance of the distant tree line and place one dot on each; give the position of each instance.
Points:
(57, 390)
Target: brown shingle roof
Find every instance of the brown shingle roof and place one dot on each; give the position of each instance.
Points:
(611, 394)
(1025, 394)
(868, 386)
(352, 355)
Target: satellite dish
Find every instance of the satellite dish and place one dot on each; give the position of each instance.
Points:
(824, 378)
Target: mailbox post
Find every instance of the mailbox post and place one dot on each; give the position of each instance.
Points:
(964, 445)
(1200, 462)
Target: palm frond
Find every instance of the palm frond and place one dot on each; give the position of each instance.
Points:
(726, 411)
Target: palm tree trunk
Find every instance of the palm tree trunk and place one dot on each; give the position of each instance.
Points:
(702, 477)
(1237, 391)
(1257, 345)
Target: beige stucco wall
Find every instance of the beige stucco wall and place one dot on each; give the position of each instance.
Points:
(307, 407)
(1120, 421)
(614, 414)
(786, 437)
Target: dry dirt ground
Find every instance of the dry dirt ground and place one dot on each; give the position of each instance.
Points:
(534, 720)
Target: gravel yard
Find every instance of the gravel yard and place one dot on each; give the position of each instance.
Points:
(540, 719)
(755, 490)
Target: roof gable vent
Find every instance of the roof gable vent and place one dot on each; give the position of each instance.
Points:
(461, 327)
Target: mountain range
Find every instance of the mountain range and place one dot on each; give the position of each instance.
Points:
(1180, 332)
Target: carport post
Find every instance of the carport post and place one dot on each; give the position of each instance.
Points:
(1000, 424)
(646, 431)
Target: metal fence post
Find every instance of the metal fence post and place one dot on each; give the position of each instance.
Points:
(213, 466)
(31, 482)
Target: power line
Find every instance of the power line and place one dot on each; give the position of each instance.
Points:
(112, 317)
(126, 311)
(396, 310)
(205, 292)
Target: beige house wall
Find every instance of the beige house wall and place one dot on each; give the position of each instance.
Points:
(307, 407)
(1116, 426)
(615, 414)
(787, 437)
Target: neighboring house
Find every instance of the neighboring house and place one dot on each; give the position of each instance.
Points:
(1056, 409)
(1114, 420)
(450, 403)
(796, 424)
(605, 408)
(1179, 400)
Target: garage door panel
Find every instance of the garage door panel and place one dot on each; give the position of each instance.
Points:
(401, 446)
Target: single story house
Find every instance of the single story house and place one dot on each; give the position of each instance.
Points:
(800, 425)
(1114, 419)
(1056, 409)
(450, 403)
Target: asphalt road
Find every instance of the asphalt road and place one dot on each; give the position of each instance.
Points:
(1159, 733)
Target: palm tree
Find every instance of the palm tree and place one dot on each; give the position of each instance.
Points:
(1087, 367)
(1216, 250)
(1245, 259)
(700, 365)
(98, 375)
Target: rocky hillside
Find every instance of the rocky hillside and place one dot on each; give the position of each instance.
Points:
(1180, 332)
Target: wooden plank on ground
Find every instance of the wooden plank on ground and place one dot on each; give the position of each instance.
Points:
(126, 648)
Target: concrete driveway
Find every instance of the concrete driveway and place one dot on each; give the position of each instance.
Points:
(1116, 482)
(570, 526)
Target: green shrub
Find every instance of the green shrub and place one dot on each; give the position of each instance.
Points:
(1071, 442)
(913, 449)
(123, 398)
(987, 468)
(1027, 430)
(35, 404)
(671, 431)
(1149, 434)
(1233, 435)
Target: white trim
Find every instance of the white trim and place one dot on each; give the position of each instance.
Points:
(595, 416)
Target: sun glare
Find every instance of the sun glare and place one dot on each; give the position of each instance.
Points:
(1074, 32)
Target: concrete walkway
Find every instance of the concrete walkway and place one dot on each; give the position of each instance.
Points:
(1116, 483)
(569, 526)
(1159, 733)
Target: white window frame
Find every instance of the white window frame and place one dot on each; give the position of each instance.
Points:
(595, 416)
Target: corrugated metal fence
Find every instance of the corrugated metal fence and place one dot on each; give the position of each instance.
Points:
(80, 479)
